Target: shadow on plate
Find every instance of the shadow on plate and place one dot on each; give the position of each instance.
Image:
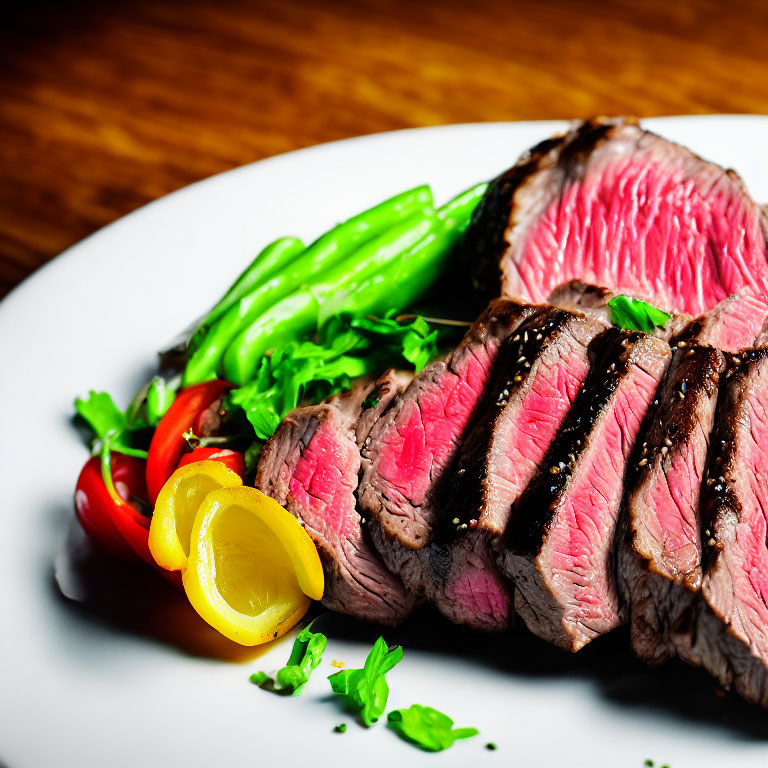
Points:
(676, 691)
(134, 599)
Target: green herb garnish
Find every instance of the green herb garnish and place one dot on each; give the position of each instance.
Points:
(340, 728)
(112, 427)
(306, 655)
(427, 728)
(346, 348)
(635, 315)
(365, 691)
(491, 746)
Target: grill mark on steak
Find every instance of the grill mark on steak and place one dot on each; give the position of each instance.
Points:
(658, 542)
(560, 535)
(728, 635)
(536, 378)
(411, 446)
(612, 204)
(310, 466)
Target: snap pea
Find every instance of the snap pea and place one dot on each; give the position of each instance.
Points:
(329, 249)
(269, 260)
(463, 205)
(242, 356)
(289, 319)
(415, 271)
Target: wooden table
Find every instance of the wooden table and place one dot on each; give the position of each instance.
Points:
(107, 105)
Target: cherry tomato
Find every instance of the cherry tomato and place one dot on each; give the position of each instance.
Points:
(234, 460)
(108, 515)
(195, 408)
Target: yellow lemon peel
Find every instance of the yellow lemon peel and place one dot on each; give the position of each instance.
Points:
(252, 568)
(177, 505)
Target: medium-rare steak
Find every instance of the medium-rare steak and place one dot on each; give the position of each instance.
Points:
(658, 544)
(729, 633)
(558, 543)
(409, 448)
(535, 381)
(310, 466)
(611, 204)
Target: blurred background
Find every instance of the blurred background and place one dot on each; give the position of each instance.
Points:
(105, 106)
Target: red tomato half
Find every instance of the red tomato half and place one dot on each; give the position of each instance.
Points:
(195, 408)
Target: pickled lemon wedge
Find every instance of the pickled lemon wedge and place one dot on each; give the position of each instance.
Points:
(252, 569)
(176, 508)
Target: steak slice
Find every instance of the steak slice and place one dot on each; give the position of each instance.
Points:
(535, 381)
(658, 545)
(310, 466)
(560, 535)
(409, 448)
(729, 635)
(612, 204)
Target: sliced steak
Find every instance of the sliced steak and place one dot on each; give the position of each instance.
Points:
(535, 381)
(310, 466)
(409, 448)
(729, 635)
(658, 545)
(558, 543)
(612, 204)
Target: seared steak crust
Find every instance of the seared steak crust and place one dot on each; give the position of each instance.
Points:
(310, 466)
(611, 204)
(408, 450)
(729, 631)
(658, 548)
(538, 374)
(559, 540)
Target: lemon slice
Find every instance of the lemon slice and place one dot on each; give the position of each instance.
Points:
(177, 505)
(252, 570)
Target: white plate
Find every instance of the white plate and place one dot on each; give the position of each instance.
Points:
(77, 689)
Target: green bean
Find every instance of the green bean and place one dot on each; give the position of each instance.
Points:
(328, 250)
(242, 356)
(463, 205)
(415, 271)
(289, 319)
(269, 260)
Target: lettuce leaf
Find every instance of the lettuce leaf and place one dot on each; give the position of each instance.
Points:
(346, 349)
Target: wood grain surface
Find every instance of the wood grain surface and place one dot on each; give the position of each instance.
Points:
(107, 105)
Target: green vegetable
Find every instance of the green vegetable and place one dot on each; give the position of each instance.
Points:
(365, 691)
(110, 425)
(272, 258)
(325, 253)
(635, 315)
(306, 655)
(347, 348)
(414, 272)
(491, 746)
(244, 353)
(160, 395)
(427, 728)
(340, 728)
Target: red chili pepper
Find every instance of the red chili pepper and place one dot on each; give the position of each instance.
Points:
(194, 409)
(103, 505)
(232, 459)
